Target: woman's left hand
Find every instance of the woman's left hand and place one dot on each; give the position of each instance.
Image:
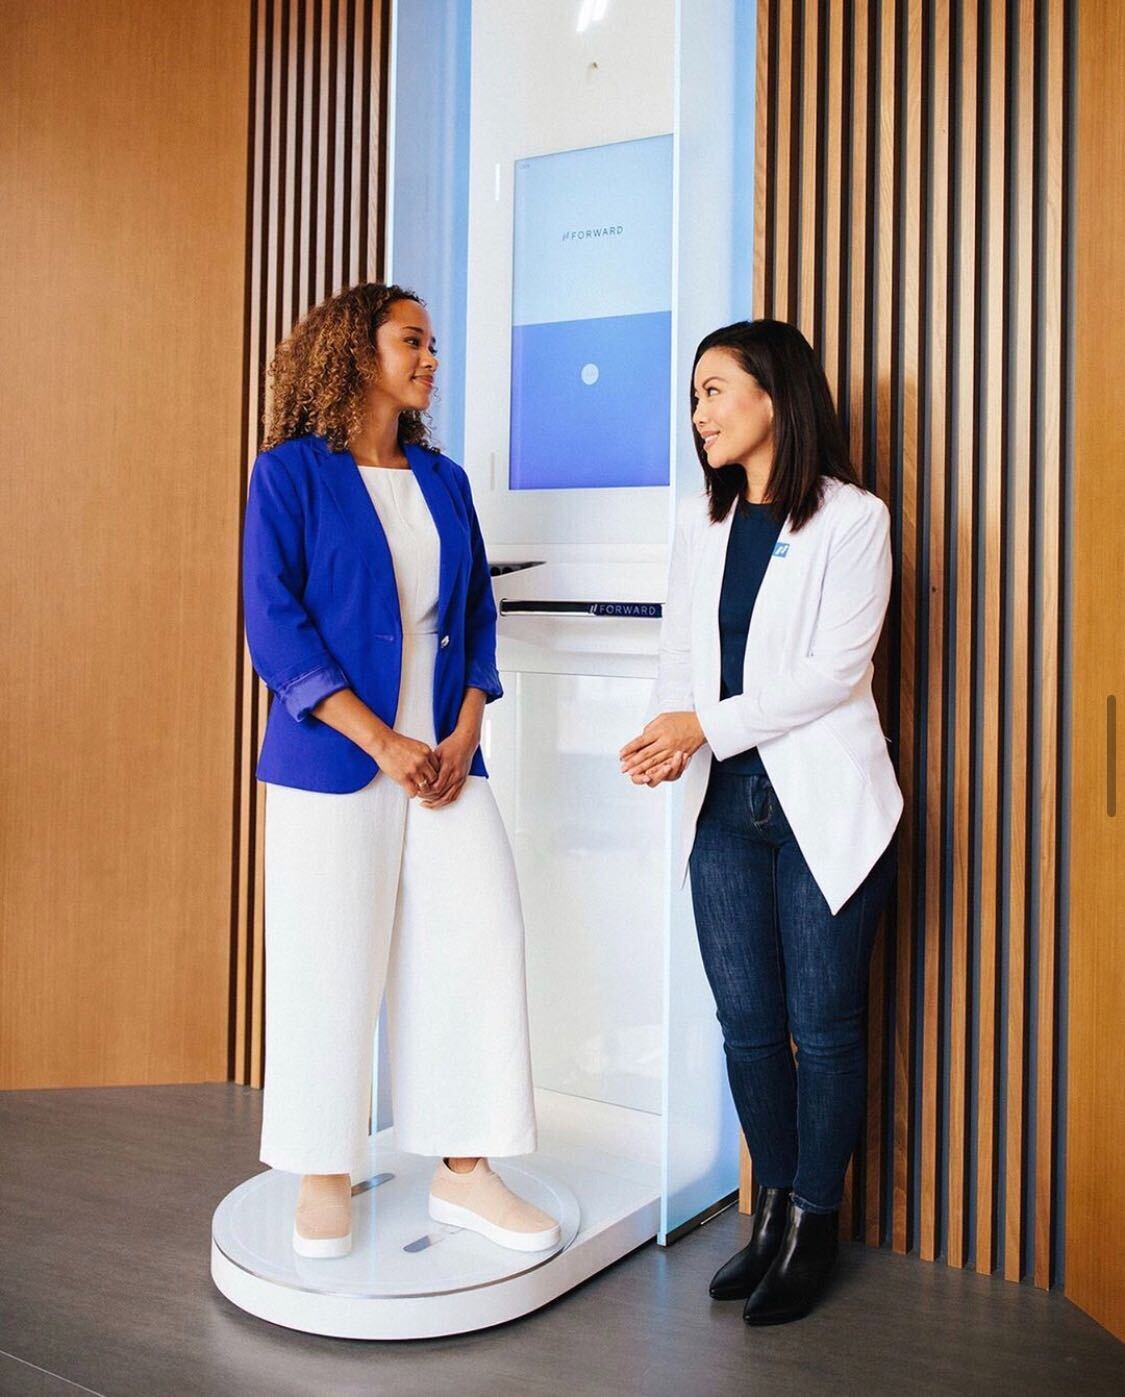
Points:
(456, 756)
(658, 775)
(667, 734)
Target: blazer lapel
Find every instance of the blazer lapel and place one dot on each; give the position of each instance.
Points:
(786, 576)
(705, 627)
(424, 465)
(361, 518)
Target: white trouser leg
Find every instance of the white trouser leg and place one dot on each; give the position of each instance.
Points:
(456, 990)
(336, 868)
(331, 879)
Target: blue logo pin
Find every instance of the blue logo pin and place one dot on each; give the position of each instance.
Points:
(780, 550)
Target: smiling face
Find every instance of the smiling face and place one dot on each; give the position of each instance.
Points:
(404, 344)
(733, 412)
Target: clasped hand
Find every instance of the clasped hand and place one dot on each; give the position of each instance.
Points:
(662, 751)
(436, 775)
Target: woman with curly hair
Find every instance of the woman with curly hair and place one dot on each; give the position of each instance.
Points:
(369, 615)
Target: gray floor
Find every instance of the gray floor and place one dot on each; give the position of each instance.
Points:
(105, 1201)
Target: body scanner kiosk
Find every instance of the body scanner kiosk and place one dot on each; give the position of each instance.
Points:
(546, 182)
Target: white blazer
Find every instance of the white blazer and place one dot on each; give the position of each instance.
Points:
(806, 702)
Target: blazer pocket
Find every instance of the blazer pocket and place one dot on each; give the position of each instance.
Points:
(845, 747)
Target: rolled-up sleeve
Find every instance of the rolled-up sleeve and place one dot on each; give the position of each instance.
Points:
(286, 648)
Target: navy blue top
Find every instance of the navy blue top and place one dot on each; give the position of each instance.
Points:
(753, 534)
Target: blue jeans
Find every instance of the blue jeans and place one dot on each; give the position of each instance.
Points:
(780, 964)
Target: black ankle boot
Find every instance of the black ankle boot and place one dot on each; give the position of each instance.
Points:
(799, 1272)
(736, 1278)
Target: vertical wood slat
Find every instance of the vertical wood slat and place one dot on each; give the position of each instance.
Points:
(341, 142)
(965, 448)
(374, 168)
(239, 1034)
(762, 129)
(990, 529)
(858, 312)
(909, 563)
(856, 309)
(1017, 621)
(321, 223)
(306, 198)
(746, 1190)
(832, 125)
(937, 307)
(314, 225)
(288, 231)
(352, 108)
(882, 213)
(780, 304)
(807, 269)
(1049, 563)
(938, 465)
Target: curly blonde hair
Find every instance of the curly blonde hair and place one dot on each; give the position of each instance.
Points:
(319, 374)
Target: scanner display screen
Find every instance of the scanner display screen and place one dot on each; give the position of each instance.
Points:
(592, 318)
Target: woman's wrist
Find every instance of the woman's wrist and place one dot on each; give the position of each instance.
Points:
(377, 740)
(468, 730)
(470, 720)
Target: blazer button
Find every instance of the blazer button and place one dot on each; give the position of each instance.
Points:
(444, 641)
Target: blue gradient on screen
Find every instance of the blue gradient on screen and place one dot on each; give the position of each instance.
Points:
(568, 434)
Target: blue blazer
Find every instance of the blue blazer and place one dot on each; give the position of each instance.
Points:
(322, 612)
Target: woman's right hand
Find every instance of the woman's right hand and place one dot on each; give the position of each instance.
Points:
(413, 764)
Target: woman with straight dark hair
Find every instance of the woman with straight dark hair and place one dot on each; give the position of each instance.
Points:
(778, 586)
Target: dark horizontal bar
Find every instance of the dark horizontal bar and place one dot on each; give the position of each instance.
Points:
(500, 569)
(620, 610)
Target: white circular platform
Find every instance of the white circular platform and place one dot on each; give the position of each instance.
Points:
(406, 1276)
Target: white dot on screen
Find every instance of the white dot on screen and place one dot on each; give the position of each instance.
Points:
(589, 373)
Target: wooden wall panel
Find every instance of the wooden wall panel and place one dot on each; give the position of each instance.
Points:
(1095, 1100)
(123, 151)
(935, 293)
(315, 225)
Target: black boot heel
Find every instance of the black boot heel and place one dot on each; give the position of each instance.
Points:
(736, 1278)
(800, 1271)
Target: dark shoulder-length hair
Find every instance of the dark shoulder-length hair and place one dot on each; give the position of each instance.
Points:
(320, 373)
(808, 441)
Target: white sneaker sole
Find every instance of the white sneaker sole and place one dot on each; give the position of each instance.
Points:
(456, 1216)
(321, 1248)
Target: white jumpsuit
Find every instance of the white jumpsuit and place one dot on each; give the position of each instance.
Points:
(371, 891)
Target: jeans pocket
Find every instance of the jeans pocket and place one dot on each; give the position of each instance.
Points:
(761, 800)
(776, 822)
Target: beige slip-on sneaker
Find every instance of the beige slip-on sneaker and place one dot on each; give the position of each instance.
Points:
(322, 1227)
(482, 1202)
